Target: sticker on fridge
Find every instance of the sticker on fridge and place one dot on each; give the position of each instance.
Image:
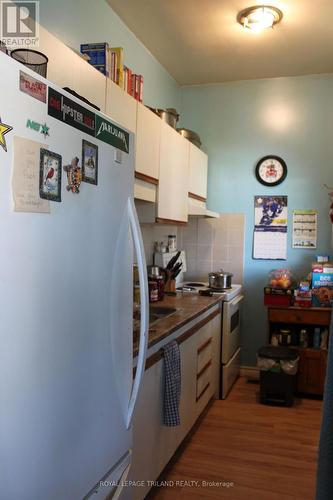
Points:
(4, 129)
(50, 175)
(33, 87)
(68, 111)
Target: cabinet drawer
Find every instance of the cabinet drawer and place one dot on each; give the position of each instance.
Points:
(300, 316)
(205, 351)
(204, 381)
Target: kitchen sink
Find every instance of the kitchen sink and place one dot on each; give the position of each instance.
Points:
(159, 312)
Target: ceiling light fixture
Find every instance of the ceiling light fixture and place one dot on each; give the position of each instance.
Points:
(259, 17)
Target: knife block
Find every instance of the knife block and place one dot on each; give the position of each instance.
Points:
(170, 285)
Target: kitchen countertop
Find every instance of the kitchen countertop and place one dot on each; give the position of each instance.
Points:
(189, 307)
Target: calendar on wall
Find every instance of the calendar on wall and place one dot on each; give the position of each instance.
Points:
(270, 227)
(305, 229)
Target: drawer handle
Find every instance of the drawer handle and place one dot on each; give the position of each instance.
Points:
(203, 392)
(204, 345)
(204, 368)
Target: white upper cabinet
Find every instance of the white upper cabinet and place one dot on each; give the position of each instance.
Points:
(90, 83)
(148, 137)
(174, 176)
(198, 161)
(62, 60)
(67, 69)
(120, 106)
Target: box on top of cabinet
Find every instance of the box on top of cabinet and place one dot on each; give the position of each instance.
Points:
(322, 279)
(322, 296)
(99, 56)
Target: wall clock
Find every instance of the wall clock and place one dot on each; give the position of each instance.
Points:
(271, 170)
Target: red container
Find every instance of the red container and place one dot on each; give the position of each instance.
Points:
(278, 296)
(277, 300)
(153, 291)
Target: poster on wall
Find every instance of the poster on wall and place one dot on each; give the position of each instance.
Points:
(270, 227)
(305, 229)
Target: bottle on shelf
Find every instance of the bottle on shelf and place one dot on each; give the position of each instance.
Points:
(303, 338)
(172, 243)
(316, 338)
(323, 339)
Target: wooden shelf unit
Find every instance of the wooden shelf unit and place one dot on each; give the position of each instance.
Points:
(312, 362)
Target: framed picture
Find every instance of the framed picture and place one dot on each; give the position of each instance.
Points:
(50, 175)
(89, 162)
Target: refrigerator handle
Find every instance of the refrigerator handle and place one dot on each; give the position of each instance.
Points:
(144, 313)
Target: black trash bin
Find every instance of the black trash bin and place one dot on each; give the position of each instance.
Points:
(278, 370)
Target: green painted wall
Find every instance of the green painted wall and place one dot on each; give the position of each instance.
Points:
(79, 21)
(239, 123)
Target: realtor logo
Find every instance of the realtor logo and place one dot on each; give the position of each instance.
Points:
(19, 24)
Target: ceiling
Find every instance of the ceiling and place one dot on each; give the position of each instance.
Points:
(199, 41)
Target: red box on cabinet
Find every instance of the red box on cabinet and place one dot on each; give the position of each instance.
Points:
(278, 296)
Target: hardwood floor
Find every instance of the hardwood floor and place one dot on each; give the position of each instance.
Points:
(262, 452)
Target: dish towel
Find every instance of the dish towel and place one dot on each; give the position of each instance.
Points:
(172, 384)
(325, 457)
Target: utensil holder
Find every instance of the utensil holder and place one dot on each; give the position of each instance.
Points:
(170, 285)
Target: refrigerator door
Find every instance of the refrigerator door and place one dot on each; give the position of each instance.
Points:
(64, 402)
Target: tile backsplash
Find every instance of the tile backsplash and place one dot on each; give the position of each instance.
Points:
(156, 232)
(213, 244)
(210, 244)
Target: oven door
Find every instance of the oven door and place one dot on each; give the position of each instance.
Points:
(231, 327)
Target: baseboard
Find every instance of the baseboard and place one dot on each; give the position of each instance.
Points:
(249, 372)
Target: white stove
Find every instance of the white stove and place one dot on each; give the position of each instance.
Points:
(203, 288)
(232, 299)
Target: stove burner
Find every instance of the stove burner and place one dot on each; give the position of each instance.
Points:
(186, 288)
(196, 285)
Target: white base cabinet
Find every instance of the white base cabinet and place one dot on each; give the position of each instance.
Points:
(155, 444)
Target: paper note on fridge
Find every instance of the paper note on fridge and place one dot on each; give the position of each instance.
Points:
(25, 180)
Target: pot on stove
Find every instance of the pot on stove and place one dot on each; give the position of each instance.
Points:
(220, 279)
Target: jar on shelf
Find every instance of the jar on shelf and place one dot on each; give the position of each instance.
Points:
(274, 339)
(285, 337)
(316, 338)
(303, 338)
(172, 243)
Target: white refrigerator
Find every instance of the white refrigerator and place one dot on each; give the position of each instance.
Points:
(67, 392)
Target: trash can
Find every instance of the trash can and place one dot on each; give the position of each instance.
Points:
(278, 370)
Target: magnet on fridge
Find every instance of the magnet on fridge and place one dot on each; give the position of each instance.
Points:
(74, 175)
(4, 129)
